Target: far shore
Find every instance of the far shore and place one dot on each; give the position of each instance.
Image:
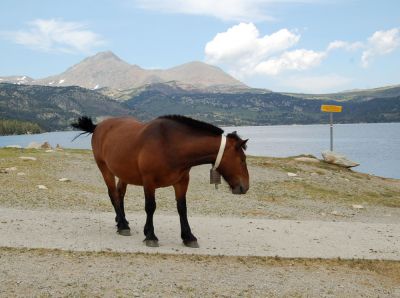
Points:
(223, 126)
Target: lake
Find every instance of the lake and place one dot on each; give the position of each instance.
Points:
(376, 146)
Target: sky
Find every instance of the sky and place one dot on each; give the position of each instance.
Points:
(310, 46)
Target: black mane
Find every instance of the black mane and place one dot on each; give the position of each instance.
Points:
(196, 124)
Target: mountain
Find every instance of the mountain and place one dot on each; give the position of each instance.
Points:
(106, 70)
(54, 108)
(101, 70)
(16, 80)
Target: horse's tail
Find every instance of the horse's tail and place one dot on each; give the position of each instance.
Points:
(84, 123)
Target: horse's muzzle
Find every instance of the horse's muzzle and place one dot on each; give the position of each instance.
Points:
(239, 190)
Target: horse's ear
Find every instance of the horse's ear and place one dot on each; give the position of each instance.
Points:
(242, 144)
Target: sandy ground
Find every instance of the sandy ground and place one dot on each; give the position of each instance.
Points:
(310, 215)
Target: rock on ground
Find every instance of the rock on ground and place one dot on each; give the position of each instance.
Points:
(338, 159)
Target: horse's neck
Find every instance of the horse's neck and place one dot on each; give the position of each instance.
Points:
(201, 150)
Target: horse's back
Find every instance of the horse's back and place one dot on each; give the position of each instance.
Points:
(114, 132)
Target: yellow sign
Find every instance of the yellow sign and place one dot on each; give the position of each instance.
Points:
(331, 109)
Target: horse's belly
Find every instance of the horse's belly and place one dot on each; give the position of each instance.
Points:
(129, 175)
(132, 180)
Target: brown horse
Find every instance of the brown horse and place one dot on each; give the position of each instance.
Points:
(160, 153)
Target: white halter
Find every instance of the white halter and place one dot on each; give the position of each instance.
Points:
(220, 152)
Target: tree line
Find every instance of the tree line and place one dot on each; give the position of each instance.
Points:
(17, 127)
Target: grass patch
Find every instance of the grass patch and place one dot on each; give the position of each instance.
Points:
(301, 189)
(388, 199)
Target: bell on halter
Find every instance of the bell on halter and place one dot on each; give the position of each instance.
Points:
(215, 178)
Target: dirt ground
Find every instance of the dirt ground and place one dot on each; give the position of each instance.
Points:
(318, 192)
(48, 273)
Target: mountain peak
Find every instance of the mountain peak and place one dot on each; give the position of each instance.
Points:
(201, 74)
(197, 64)
(105, 55)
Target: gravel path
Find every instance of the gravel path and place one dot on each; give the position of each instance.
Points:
(78, 231)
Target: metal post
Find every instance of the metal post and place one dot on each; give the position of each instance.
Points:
(331, 116)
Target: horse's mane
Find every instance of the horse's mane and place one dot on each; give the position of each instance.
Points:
(196, 124)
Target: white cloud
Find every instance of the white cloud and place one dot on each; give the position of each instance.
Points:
(243, 42)
(381, 43)
(348, 46)
(292, 60)
(246, 53)
(56, 35)
(316, 84)
(237, 10)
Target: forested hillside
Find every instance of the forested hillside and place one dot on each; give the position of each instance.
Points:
(54, 108)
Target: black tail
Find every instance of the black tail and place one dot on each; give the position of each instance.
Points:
(84, 123)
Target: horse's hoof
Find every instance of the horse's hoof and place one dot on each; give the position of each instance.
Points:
(124, 232)
(191, 244)
(151, 243)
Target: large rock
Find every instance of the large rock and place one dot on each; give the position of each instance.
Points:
(338, 159)
(46, 146)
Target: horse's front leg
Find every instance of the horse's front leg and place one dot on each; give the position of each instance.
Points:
(181, 187)
(150, 207)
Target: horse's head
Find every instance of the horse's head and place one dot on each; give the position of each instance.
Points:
(233, 164)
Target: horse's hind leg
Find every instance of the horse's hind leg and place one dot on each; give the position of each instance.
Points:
(121, 188)
(180, 194)
(115, 197)
(150, 207)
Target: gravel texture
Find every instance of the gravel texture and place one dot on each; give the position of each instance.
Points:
(52, 273)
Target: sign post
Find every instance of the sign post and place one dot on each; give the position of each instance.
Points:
(331, 109)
